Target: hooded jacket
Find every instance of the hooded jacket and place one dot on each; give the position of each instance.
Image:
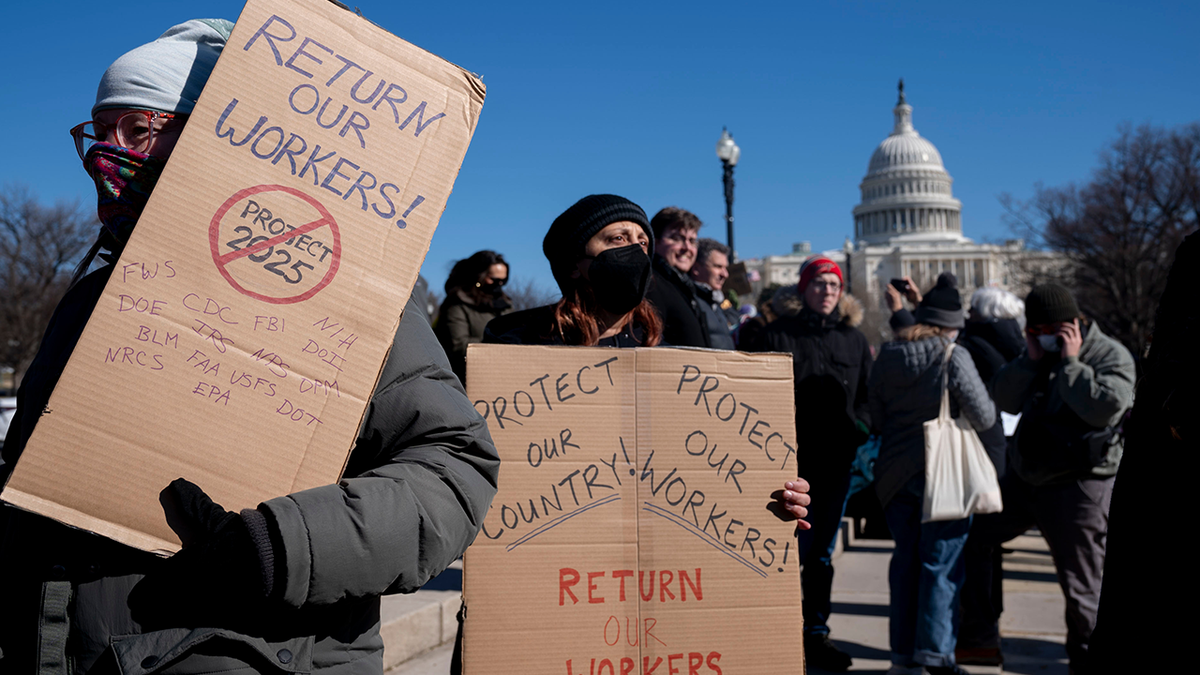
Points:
(906, 391)
(674, 298)
(416, 489)
(1092, 390)
(830, 363)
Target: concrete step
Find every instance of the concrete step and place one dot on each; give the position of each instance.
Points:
(416, 623)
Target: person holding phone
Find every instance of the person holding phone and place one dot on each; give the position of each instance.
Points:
(905, 288)
(1072, 386)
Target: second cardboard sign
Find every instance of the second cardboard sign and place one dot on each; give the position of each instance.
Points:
(634, 530)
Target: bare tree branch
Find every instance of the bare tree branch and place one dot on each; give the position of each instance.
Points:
(527, 294)
(1121, 229)
(39, 244)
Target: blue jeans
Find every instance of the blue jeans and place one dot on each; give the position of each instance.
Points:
(815, 546)
(925, 577)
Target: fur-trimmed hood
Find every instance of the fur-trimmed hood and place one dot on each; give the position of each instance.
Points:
(787, 301)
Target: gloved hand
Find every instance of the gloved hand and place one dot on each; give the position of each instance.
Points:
(219, 573)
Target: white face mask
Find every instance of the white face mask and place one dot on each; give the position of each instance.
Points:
(1049, 343)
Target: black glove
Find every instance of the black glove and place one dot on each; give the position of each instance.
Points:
(223, 571)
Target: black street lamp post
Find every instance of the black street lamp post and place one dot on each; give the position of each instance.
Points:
(728, 152)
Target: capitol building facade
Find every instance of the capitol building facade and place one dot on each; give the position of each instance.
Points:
(908, 223)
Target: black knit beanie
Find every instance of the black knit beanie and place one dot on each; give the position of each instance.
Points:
(570, 232)
(941, 307)
(1049, 303)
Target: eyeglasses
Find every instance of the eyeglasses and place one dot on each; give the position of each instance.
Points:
(134, 130)
(688, 239)
(823, 285)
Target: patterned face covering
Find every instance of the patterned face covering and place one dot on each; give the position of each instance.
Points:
(124, 179)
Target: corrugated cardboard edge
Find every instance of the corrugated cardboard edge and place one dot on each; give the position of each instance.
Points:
(448, 77)
(120, 534)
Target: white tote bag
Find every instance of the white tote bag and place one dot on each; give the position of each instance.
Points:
(960, 479)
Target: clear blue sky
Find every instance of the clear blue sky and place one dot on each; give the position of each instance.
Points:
(630, 98)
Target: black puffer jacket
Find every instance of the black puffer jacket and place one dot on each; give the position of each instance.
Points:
(674, 298)
(417, 488)
(831, 360)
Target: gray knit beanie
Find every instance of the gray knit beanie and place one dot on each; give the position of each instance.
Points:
(941, 306)
(168, 74)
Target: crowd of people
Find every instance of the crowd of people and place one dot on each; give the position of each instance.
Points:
(253, 585)
(1062, 383)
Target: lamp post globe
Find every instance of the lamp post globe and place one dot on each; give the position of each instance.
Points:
(728, 152)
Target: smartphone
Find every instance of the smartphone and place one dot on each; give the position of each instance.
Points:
(900, 285)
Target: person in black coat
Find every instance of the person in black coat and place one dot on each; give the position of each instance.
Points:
(994, 336)
(1146, 576)
(599, 252)
(831, 362)
(672, 292)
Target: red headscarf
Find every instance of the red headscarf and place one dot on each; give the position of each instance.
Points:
(815, 266)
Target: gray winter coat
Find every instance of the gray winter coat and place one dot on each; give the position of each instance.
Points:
(905, 391)
(416, 490)
(720, 335)
(1097, 386)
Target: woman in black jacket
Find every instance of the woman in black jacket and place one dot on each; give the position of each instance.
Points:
(599, 251)
(474, 296)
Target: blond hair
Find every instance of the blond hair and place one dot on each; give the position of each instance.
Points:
(921, 331)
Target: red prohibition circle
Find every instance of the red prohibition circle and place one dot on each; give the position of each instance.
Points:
(222, 261)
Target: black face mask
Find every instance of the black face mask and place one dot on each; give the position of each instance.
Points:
(619, 277)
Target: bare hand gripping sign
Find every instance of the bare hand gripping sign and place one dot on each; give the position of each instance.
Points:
(633, 531)
(243, 329)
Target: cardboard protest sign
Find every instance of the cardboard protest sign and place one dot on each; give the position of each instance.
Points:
(244, 327)
(632, 532)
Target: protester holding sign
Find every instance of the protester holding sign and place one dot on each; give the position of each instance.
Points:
(474, 296)
(293, 584)
(830, 362)
(599, 251)
(926, 572)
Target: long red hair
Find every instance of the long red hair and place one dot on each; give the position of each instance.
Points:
(575, 320)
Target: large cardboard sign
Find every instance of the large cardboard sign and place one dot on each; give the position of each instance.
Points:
(244, 327)
(632, 533)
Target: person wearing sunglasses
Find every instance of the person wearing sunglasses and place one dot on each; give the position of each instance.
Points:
(1072, 386)
(292, 586)
(474, 296)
